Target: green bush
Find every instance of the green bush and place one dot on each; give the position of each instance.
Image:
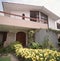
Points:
(35, 45)
(11, 48)
(46, 44)
(2, 50)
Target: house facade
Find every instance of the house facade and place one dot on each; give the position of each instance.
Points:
(17, 19)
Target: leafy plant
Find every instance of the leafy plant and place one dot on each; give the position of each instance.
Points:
(31, 34)
(35, 45)
(11, 48)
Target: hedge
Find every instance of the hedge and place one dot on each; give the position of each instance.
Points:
(37, 54)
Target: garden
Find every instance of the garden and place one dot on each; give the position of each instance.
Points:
(29, 54)
(33, 52)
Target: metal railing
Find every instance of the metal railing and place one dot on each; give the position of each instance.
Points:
(17, 15)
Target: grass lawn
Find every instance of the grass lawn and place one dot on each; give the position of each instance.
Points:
(5, 59)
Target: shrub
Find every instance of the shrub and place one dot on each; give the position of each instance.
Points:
(2, 50)
(35, 45)
(46, 44)
(31, 36)
(11, 48)
(26, 54)
(14, 46)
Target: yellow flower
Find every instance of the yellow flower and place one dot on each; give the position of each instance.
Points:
(37, 54)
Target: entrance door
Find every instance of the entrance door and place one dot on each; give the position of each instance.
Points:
(21, 37)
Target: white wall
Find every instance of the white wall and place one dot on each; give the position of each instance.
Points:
(27, 14)
(51, 23)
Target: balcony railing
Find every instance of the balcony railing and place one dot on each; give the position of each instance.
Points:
(36, 19)
(17, 15)
(7, 21)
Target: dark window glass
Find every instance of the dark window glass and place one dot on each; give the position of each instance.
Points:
(58, 25)
(35, 15)
(44, 18)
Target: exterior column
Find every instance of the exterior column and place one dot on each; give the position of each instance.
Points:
(11, 37)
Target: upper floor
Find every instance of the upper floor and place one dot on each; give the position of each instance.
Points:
(27, 16)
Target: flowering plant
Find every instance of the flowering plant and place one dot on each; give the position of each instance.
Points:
(38, 54)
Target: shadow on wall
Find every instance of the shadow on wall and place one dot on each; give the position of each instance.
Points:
(42, 34)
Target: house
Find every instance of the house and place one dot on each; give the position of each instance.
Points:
(17, 19)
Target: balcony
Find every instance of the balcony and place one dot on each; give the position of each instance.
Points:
(12, 22)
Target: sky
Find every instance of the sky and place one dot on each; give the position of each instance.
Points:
(52, 5)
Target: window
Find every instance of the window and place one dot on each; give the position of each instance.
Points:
(44, 17)
(23, 16)
(58, 25)
(35, 15)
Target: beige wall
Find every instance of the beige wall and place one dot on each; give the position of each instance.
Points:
(21, 23)
(11, 37)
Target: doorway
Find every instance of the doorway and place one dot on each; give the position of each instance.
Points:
(21, 37)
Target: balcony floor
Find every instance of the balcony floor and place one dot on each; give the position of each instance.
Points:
(13, 23)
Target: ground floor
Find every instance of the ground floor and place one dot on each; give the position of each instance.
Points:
(10, 37)
(22, 36)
